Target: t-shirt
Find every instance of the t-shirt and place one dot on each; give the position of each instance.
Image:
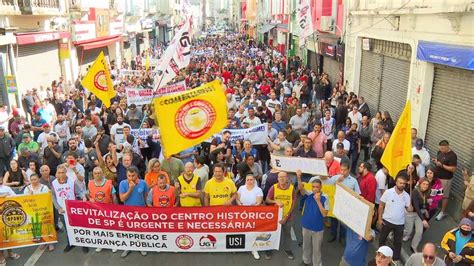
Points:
(319, 142)
(72, 175)
(311, 218)
(6, 191)
(249, 197)
(345, 142)
(451, 159)
(137, 197)
(395, 205)
(117, 132)
(219, 192)
(271, 104)
(381, 179)
(283, 145)
(252, 122)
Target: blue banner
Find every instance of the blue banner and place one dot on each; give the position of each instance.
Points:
(446, 54)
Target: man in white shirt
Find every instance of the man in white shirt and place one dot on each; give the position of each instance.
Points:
(62, 129)
(391, 216)
(422, 152)
(272, 102)
(298, 122)
(381, 178)
(252, 120)
(116, 132)
(4, 117)
(341, 138)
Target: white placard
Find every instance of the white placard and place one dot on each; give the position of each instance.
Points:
(306, 165)
(353, 210)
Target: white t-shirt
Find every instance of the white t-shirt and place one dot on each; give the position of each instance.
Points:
(345, 142)
(117, 132)
(42, 189)
(381, 178)
(4, 119)
(356, 118)
(271, 104)
(252, 122)
(72, 176)
(395, 206)
(63, 129)
(249, 197)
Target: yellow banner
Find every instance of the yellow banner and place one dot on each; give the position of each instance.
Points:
(27, 220)
(329, 190)
(190, 117)
(98, 80)
(397, 154)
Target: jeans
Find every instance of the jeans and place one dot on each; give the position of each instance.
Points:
(413, 220)
(312, 246)
(334, 228)
(397, 237)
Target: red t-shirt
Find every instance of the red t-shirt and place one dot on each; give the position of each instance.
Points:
(265, 89)
(226, 75)
(368, 186)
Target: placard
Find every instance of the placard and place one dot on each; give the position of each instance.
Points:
(306, 165)
(27, 220)
(191, 229)
(353, 210)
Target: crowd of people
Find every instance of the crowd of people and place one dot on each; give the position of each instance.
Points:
(65, 141)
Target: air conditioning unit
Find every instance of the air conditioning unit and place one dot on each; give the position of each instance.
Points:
(327, 23)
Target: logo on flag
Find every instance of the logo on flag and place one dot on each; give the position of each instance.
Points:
(195, 118)
(98, 80)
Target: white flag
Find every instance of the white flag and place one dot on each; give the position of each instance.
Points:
(176, 56)
(305, 21)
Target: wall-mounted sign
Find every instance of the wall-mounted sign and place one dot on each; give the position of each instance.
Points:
(10, 82)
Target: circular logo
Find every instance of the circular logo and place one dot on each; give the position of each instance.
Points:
(14, 217)
(164, 200)
(195, 118)
(100, 81)
(100, 196)
(184, 242)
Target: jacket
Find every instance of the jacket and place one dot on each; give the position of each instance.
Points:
(448, 244)
(7, 145)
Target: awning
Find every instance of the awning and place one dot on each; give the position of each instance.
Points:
(282, 27)
(266, 28)
(330, 39)
(101, 43)
(446, 54)
(37, 37)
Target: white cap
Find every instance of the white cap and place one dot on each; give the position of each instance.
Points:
(386, 251)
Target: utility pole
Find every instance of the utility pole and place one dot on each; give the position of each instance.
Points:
(204, 16)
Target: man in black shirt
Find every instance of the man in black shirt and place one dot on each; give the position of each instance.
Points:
(446, 162)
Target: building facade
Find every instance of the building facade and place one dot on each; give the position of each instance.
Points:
(420, 51)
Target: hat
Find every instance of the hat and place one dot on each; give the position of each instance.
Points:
(339, 146)
(45, 125)
(132, 106)
(26, 135)
(465, 221)
(304, 105)
(2, 128)
(386, 251)
(419, 144)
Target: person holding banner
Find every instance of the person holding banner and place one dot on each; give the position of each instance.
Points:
(283, 195)
(189, 187)
(63, 189)
(219, 190)
(6, 191)
(316, 207)
(133, 192)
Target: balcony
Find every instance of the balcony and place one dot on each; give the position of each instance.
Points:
(9, 7)
(39, 7)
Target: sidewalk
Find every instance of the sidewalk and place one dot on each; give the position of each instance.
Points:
(434, 234)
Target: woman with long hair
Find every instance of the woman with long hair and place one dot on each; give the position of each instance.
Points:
(106, 163)
(375, 120)
(387, 122)
(248, 150)
(436, 191)
(15, 177)
(153, 172)
(417, 214)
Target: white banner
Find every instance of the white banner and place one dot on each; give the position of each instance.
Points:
(131, 73)
(192, 229)
(138, 96)
(172, 88)
(143, 133)
(304, 20)
(306, 165)
(257, 134)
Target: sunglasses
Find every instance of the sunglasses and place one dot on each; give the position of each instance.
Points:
(427, 257)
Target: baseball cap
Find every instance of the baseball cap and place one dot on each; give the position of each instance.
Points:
(386, 251)
(26, 135)
(304, 105)
(419, 144)
(132, 106)
(45, 125)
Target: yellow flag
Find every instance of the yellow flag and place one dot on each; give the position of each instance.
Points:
(190, 117)
(397, 153)
(147, 62)
(98, 81)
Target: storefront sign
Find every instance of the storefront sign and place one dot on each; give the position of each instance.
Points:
(146, 23)
(10, 81)
(193, 229)
(330, 50)
(366, 44)
(83, 31)
(102, 22)
(64, 51)
(27, 220)
(30, 38)
(116, 28)
(446, 54)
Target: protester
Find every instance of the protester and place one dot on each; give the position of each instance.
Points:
(446, 163)
(6, 191)
(162, 195)
(427, 257)
(189, 187)
(219, 190)
(383, 257)
(283, 195)
(458, 245)
(316, 207)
